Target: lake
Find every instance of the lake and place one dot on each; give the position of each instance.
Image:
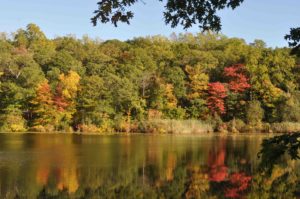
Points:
(128, 166)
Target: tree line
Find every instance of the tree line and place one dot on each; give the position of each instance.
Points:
(66, 84)
(184, 13)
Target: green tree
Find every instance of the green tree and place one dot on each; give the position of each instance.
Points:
(290, 109)
(127, 100)
(64, 61)
(94, 101)
(176, 77)
(255, 113)
(12, 120)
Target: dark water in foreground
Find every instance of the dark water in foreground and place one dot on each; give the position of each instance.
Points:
(137, 166)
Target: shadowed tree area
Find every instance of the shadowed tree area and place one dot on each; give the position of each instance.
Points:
(275, 148)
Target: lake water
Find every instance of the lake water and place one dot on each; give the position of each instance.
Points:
(121, 166)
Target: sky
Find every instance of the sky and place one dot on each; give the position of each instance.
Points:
(268, 20)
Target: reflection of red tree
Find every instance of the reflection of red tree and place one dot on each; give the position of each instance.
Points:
(42, 175)
(216, 161)
(236, 183)
(239, 182)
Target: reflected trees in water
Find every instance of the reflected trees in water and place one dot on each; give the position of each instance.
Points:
(144, 167)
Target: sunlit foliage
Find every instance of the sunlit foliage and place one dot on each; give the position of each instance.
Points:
(68, 84)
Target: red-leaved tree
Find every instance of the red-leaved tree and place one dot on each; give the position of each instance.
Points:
(215, 101)
(238, 81)
(237, 84)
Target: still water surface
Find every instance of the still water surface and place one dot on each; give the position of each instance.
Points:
(120, 166)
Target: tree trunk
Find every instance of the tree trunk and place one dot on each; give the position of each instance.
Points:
(128, 127)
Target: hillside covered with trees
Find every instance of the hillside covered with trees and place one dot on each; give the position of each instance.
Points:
(70, 84)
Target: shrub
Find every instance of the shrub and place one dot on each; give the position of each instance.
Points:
(120, 123)
(88, 128)
(217, 123)
(240, 125)
(236, 125)
(105, 127)
(174, 113)
(266, 127)
(40, 128)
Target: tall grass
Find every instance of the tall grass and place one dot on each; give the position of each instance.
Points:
(176, 126)
(285, 127)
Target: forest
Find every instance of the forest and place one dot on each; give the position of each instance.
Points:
(185, 83)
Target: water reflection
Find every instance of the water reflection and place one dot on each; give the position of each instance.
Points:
(139, 166)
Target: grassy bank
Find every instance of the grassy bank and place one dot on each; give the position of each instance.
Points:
(200, 127)
(176, 126)
(168, 126)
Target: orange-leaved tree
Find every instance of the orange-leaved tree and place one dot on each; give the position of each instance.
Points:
(44, 109)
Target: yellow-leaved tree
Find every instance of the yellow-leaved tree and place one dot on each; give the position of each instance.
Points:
(64, 99)
(198, 81)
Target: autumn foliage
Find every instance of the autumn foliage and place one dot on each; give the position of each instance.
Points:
(215, 101)
(44, 107)
(218, 170)
(52, 107)
(217, 91)
(184, 77)
(239, 182)
(59, 100)
(238, 82)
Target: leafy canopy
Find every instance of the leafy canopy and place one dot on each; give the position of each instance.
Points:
(183, 12)
(180, 12)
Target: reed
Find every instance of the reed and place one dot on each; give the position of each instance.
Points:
(176, 126)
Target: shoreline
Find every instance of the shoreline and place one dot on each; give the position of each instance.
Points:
(219, 134)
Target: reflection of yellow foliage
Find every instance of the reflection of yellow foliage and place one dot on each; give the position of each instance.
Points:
(68, 180)
(276, 173)
(277, 182)
(199, 183)
(279, 171)
(171, 163)
(63, 154)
